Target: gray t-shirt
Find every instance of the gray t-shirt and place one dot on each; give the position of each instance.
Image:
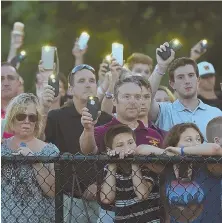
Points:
(22, 199)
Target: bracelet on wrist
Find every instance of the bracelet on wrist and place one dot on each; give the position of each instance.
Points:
(182, 151)
(158, 71)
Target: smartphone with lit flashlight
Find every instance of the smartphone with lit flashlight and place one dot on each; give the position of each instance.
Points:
(108, 61)
(117, 52)
(18, 59)
(203, 45)
(93, 105)
(83, 40)
(174, 44)
(54, 82)
(48, 57)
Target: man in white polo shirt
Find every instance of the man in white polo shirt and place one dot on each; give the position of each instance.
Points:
(184, 79)
(206, 91)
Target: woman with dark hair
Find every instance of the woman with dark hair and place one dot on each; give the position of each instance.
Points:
(191, 191)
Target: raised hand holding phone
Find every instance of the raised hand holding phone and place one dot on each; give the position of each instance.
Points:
(174, 45)
(199, 49)
(93, 106)
(83, 40)
(48, 57)
(162, 64)
(54, 82)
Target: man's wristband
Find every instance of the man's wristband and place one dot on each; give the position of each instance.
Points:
(109, 95)
(158, 71)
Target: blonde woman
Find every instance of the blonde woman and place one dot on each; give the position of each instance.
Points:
(27, 189)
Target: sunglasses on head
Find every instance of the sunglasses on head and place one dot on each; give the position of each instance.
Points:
(22, 117)
(81, 67)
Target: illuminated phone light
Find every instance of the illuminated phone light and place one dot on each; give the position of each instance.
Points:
(176, 42)
(91, 97)
(116, 45)
(47, 48)
(84, 34)
(204, 41)
(23, 53)
(108, 58)
(52, 76)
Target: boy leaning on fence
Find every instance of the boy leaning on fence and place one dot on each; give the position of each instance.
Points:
(131, 189)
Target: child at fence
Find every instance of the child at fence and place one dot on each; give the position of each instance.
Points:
(130, 188)
(214, 134)
(192, 190)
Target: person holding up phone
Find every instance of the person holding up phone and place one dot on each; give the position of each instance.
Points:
(206, 88)
(63, 128)
(17, 37)
(184, 79)
(80, 48)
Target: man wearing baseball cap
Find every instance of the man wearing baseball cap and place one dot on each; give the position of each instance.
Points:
(206, 91)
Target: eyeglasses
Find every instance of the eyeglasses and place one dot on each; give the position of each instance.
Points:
(80, 67)
(22, 117)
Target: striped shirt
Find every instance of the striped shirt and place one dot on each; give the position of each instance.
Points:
(128, 208)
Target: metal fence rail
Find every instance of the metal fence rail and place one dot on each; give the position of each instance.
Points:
(79, 160)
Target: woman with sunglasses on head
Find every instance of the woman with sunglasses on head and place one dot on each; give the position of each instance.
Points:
(27, 189)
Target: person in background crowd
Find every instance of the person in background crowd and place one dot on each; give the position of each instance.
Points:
(206, 91)
(15, 44)
(63, 128)
(214, 130)
(214, 134)
(42, 80)
(27, 189)
(164, 95)
(205, 206)
(140, 63)
(10, 87)
(130, 188)
(184, 79)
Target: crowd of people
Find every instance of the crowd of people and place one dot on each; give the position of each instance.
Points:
(137, 117)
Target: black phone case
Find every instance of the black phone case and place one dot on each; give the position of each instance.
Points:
(55, 84)
(166, 54)
(94, 107)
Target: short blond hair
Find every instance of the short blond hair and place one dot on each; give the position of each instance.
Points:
(214, 128)
(168, 92)
(18, 105)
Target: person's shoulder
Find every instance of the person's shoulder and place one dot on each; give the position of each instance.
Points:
(213, 109)
(54, 113)
(104, 118)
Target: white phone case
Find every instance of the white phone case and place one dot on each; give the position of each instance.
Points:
(48, 54)
(117, 52)
(83, 40)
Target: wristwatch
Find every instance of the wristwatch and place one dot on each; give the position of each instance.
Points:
(109, 95)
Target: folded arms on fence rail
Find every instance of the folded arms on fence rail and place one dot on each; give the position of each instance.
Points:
(151, 196)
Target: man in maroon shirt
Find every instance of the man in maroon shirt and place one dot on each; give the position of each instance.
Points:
(128, 100)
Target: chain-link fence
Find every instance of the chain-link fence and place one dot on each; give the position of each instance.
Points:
(103, 189)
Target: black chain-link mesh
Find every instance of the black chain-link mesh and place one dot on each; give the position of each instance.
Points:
(100, 189)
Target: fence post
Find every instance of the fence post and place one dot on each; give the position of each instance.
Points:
(58, 193)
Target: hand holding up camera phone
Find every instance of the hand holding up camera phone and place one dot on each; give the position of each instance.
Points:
(199, 49)
(174, 45)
